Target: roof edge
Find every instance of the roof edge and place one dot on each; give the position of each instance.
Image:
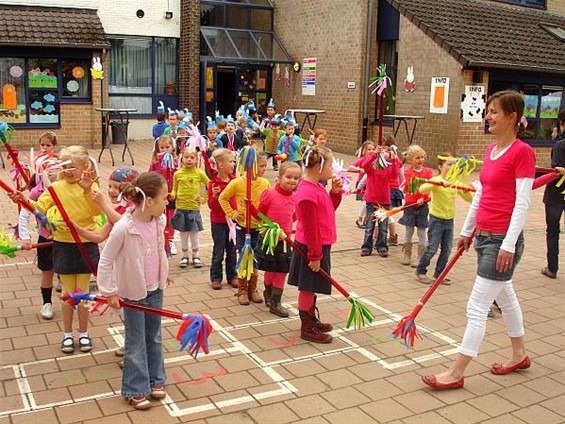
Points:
(60, 46)
(48, 6)
(494, 65)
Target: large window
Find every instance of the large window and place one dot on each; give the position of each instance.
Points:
(33, 88)
(242, 14)
(542, 104)
(143, 71)
(539, 4)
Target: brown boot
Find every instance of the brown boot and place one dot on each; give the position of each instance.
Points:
(309, 332)
(407, 248)
(252, 290)
(267, 293)
(421, 249)
(275, 306)
(393, 240)
(324, 327)
(241, 294)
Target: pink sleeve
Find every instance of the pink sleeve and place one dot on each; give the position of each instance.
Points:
(524, 162)
(358, 162)
(311, 229)
(264, 202)
(368, 162)
(336, 199)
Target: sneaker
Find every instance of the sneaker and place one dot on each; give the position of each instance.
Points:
(139, 402)
(216, 285)
(158, 392)
(234, 283)
(59, 287)
(393, 240)
(365, 252)
(197, 262)
(184, 262)
(361, 224)
(47, 311)
(423, 278)
(119, 352)
(84, 344)
(446, 281)
(68, 345)
(383, 253)
(173, 248)
(545, 271)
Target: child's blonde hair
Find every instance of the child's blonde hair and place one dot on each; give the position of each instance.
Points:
(78, 154)
(241, 120)
(315, 155)
(221, 155)
(288, 165)
(411, 151)
(363, 149)
(163, 138)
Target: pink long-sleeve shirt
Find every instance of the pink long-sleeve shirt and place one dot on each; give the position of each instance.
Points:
(315, 211)
(378, 181)
(278, 205)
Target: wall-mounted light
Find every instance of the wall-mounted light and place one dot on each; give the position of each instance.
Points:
(168, 15)
(140, 13)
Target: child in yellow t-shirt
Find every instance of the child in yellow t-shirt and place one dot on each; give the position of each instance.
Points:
(237, 189)
(440, 227)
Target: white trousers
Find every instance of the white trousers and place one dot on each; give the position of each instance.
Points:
(194, 240)
(484, 292)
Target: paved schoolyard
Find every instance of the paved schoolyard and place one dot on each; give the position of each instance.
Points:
(260, 371)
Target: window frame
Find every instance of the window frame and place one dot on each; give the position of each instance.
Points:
(170, 100)
(392, 72)
(526, 3)
(54, 54)
(223, 4)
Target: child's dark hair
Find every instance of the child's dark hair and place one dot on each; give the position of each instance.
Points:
(160, 116)
(315, 155)
(149, 182)
(166, 138)
(510, 101)
(389, 140)
(444, 155)
(49, 135)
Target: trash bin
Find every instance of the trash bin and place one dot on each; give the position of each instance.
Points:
(119, 132)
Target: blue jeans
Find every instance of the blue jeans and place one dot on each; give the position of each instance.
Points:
(440, 233)
(220, 236)
(144, 366)
(370, 228)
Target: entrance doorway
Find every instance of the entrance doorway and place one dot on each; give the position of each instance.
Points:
(226, 92)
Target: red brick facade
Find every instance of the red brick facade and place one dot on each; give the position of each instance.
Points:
(189, 56)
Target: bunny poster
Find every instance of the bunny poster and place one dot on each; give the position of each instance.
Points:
(410, 80)
(96, 70)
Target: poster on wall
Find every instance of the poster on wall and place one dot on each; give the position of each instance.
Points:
(473, 103)
(309, 77)
(439, 94)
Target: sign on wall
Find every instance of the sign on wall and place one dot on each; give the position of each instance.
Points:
(473, 103)
(309, 76)
(439, 94)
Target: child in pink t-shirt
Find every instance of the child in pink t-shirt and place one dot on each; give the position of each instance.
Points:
(364, 151)
(416, 217)
(315, 234)
(278, 205)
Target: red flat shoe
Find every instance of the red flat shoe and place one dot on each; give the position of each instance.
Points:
(431, 381)
(499, 369)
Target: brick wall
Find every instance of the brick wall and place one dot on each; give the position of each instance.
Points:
(556, 6)
(335, 36)
(189, 56)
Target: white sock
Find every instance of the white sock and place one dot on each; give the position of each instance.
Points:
(80, 335)
(68, 335)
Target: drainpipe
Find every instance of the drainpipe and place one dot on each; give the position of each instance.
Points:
(367, 71)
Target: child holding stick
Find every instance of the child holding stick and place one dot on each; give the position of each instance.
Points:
(134, 267)
(315, 234)
(364, 151)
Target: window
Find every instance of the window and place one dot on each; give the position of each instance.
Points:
(539, 4)
(143, 71)
(542, 104)
(389, 56)
(33, 88)
(243, 14)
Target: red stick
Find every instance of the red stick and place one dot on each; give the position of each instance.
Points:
(16, 162)
(248, 173)
(37, 246)
(23, 201)
(72, 229)
(381, 113)
(546, 170)
(454, 186)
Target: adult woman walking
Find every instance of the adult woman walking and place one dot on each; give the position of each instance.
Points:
(554, 203)
(498, 213)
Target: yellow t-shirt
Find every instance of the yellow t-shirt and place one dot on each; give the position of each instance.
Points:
(238, 188)
(443, 198)
(79, 206)
(187, 187)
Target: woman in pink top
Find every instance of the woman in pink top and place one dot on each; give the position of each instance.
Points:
(134, 267)
(498, 213)
(315, 234)
(278, 205)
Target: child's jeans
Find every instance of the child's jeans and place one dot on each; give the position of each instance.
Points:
(144, 366)
(440, 233)
(370, 228)
(220, 237)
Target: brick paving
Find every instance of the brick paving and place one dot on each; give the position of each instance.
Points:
(260, 371)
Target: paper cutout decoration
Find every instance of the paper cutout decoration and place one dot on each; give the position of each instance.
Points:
(41, 79)
(439, 95)
(72, 86)
(473, 103)
(49, 108)
(286, 80)
(49, 97)
(409, 81)
(277, 72)
(78, 72)
(16, 71)
(9, 100)
(36, 105)
(96, 70)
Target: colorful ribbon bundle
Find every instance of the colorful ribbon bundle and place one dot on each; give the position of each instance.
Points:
(341, 172)
(6, 132)
(359, 314)
(381, 213)
(462, 167)
(193, 332)
(381, 83)
(406, 328)
(9, 249)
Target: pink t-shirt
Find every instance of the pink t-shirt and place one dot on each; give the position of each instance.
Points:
(378, 181)
(410, 173)
(278, 205)
(149, 238)
(498, 180)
